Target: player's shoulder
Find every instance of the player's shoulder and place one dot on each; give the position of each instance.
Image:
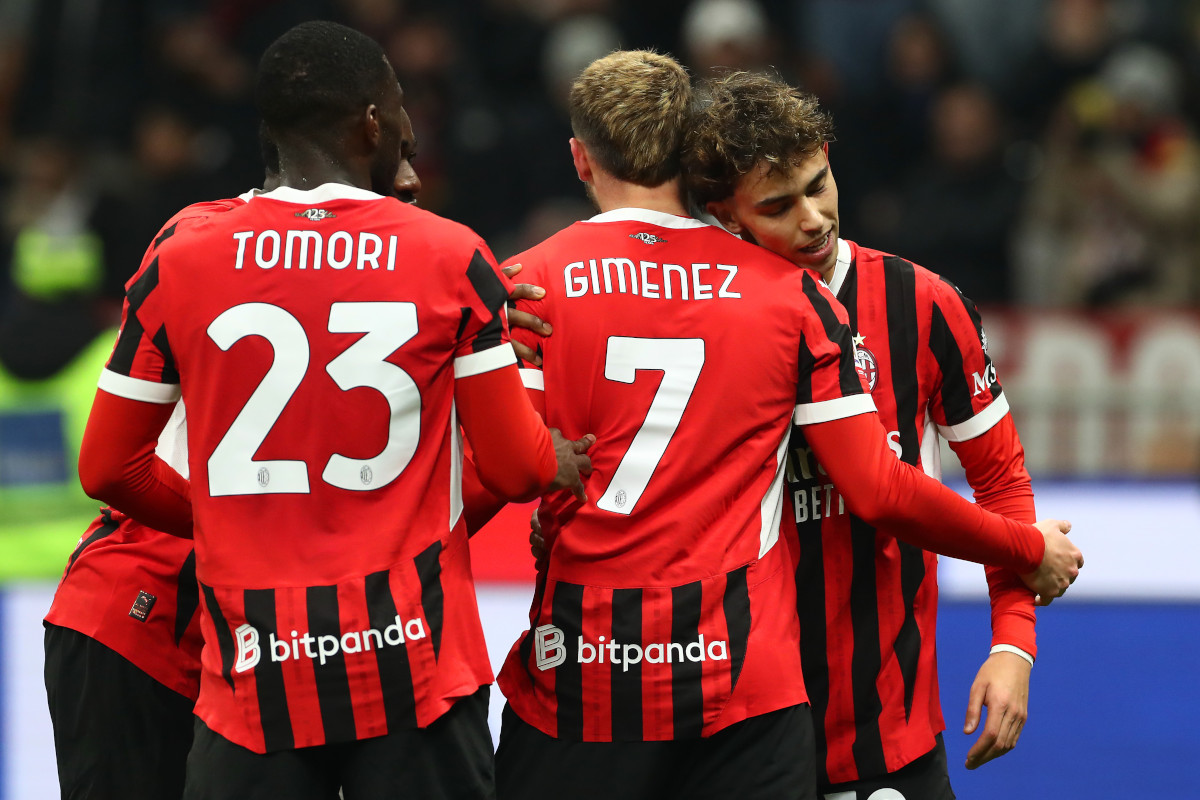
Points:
(869, 258)
(196, 212)
(565, 240)
(440, 234)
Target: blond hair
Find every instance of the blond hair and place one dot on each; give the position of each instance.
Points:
(748, 119)
(631, 109)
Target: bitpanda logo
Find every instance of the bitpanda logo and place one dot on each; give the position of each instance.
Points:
(550, 650)
(647, 238)
(249, 649)
(315, 214)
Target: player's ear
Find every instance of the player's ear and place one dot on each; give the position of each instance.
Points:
(583, 164)
(370, 125)
(720, 209)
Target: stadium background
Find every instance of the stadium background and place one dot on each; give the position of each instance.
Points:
(1041, 153)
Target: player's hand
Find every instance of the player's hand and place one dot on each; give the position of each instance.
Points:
(573, 463)
(523, 319)
(537, 542)
(1003, 686)
(1060, 565)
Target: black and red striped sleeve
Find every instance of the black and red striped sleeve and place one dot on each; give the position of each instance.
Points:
(142, 366)
(828, 385)
(969, 398)
(483, 342)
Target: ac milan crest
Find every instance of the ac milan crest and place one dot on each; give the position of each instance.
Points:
(865, 363)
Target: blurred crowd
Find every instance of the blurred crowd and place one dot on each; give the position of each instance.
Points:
(1036, 152)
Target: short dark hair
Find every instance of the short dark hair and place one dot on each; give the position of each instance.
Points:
(318, 74)
(749, 118)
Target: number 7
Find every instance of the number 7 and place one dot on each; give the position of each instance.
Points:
(680, 361)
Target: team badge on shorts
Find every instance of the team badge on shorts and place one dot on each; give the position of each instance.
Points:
(865, 363)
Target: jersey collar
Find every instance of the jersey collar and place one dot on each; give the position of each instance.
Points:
(840, 268)
(321, 194)
(649, 217)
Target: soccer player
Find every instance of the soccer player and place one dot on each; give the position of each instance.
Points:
(757, 158)
(123, 637)
(325, 339)
(662, 658)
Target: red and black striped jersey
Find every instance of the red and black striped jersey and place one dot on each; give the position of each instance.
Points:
(130, 587)
(315, 337)
(133, 589)
(867, 601)
(665, 610)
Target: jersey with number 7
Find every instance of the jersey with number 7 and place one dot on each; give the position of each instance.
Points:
(664, 611)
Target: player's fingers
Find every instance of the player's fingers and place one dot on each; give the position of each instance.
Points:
(531, 322)
(511, 270)
(982, 751)
(527, 354)
(974, 707)
(584, 443)
(526, 291)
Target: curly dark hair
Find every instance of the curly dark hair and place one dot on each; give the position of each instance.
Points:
(744, 119)
(318, 74)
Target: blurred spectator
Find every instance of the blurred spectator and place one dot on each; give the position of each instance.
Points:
(66, 239)
(850, 37)
(879, 141)
(990, 39)
(1077, 35)
(726, 34)
(956, 210)
(1113, 218)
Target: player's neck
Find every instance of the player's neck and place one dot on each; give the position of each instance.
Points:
(307, 167)
(610, 194)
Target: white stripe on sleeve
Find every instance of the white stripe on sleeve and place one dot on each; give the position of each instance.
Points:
(496, 357)
(137, 389)
(977, 425)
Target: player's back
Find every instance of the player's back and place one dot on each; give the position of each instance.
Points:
(315, 337)
(314, 333)
(685, 351)
(665, 610)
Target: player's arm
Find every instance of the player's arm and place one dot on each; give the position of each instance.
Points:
(514, 455)
(852, 448)
(137, 393)
(972, 414)
(480, 505)
(888, 493)
(995, 466)
(118, 466)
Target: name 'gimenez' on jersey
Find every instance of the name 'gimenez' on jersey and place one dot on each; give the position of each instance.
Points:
(664, 611)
